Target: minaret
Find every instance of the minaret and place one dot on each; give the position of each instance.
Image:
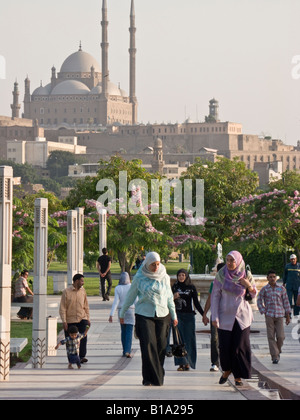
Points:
(132, 65)
(104, 46)
(15, 106)
(27, 98)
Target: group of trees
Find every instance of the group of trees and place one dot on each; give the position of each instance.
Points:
(237, 214)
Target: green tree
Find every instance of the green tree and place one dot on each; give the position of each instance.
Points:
(225, 181)
(59, 161)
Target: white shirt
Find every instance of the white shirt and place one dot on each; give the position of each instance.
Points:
(120, 295)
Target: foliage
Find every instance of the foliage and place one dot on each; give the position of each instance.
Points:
(268, 221)
(225, 181)
(59, 160)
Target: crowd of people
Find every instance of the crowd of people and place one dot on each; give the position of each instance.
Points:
(151, 307)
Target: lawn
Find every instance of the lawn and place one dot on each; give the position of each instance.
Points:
(23, 329)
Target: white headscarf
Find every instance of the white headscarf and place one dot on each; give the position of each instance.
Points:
(152, 257)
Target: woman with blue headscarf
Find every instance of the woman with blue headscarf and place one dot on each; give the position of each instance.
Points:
(127, 327)
(155, 304)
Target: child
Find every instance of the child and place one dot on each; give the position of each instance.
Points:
(72, 344)
(273, 302)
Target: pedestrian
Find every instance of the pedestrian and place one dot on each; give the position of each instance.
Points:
(103, 266)
(214, 341)
(20, 295)
(291, 280)
(74, 310)
(72, 342)
(232, 315)
(273, 302)
(151, 285)
(186, 300)
(129, 320)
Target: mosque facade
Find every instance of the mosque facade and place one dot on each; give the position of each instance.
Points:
(81, 94)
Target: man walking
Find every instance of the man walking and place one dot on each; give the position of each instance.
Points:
(273, 302)
(291, 281)
(74, 310)
(103, 266)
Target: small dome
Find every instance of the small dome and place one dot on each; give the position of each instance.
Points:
(157, 142)
(112, 89)
(80, 62)
(70, 87)
(42, 90)
(96, 90)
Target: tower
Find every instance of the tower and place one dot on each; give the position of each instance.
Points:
(214, 110)
(104, 46)
(15, 106)
(27, 98)
(132, 64)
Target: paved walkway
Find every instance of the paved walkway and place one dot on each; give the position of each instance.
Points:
(110, 377)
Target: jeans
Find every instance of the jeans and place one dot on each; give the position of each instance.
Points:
(293, 294)
(126, 337)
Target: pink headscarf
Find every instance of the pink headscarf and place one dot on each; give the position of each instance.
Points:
(230, 278)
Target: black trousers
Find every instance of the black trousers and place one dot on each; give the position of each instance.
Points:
(235, 351)
(153, 334)
(109, 284)
(83, 343)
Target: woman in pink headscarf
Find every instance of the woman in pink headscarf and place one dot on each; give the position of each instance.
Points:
(232, 315)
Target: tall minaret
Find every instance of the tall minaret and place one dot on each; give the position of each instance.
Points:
(104, 46)
(27, 98)
(132, 65)
(15, 106)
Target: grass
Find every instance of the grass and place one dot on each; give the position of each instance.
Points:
(23, 329)
(91, 284)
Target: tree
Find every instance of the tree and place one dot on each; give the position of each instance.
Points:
(59, 161)
(225, 181)
(268, 221)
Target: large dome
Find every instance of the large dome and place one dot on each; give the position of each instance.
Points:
(70, 87)
(80, 62)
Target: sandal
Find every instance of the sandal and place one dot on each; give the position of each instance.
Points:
(187, 367)
(181, 368)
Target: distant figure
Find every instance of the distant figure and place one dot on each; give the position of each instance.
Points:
(291, 281)
(21, 289)
(103, 266)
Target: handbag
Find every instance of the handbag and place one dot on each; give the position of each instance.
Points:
(178, 347)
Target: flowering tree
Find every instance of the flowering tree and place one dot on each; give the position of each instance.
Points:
(268, 221)
(23, 231)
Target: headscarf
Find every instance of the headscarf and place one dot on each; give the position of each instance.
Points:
(230, 278)
(152, 257)
(124, 278)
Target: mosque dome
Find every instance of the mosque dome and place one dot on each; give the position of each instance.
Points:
(70, 87)
(42, 90)
(80, 62)
(112, 89)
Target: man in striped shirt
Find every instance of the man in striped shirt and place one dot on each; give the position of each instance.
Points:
(273, 302)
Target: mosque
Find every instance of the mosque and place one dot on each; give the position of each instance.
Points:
(80, 94)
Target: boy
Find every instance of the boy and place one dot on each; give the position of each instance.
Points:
(273, 302)
(72, 344)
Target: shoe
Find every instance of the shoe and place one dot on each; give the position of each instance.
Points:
(128, 355)
(146, 383)
(106, 297)
(186, 367)
(214, 368)
(238, 382)
(275, 362)
(181, 368)
(83, 360)
(222, 380)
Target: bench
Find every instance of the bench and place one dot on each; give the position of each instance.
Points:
(17, 345)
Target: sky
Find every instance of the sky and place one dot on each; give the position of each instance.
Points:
(244, 53)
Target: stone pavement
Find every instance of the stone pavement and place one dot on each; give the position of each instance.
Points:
(108, 376)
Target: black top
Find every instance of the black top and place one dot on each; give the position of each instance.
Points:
(187, 293)
(103, 262)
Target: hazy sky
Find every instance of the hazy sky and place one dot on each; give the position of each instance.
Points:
(188, 51)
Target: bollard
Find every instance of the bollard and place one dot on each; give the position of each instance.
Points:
(51, 336)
